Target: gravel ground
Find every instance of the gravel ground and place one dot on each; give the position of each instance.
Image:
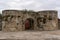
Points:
(31, 35)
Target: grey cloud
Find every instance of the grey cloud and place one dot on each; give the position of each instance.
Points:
(31, 4)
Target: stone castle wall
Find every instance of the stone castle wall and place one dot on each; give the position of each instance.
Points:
(14, 20)
(0, 22)
(59, 23)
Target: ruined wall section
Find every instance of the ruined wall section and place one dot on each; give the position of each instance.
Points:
(50, 18)
(12, 20)
(0, 22)
(59, 23)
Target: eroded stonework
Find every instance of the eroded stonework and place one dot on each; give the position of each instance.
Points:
(19, 20)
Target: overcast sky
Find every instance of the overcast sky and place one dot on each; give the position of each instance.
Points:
(31, 5)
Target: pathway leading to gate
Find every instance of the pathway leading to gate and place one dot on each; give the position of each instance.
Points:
(31, 35)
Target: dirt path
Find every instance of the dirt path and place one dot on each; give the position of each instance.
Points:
(31, 35)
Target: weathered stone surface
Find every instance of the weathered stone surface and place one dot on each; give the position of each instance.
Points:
(0, 22)
(14, 20)
(59, 23)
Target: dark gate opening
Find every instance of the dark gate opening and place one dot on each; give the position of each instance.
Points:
(29, 24)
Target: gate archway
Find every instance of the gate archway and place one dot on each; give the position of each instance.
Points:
(29, 24)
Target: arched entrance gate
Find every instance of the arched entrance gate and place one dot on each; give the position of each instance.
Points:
(29, 24)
